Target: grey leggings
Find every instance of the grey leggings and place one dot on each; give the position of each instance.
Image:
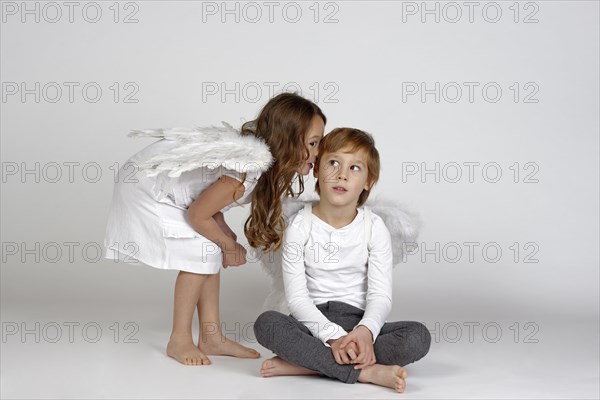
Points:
(398, 343)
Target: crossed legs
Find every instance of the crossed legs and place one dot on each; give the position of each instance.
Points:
(299, 353)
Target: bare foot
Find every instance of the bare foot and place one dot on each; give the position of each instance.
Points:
(225, 347)
(391, 376)
(182, 349)
(277, 366)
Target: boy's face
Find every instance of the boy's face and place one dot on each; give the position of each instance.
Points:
(342, 176)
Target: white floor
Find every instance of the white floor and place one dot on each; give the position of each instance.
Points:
(557, 356)
(562, 364)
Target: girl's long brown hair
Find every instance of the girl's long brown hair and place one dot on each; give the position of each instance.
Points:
(282, 124)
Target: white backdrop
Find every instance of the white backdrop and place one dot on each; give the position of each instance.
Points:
(486, 120)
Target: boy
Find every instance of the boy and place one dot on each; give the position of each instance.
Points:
(337, 272)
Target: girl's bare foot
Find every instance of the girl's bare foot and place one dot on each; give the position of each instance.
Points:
(218, 345)
(391, 376)
(277, 366)
(182, 349)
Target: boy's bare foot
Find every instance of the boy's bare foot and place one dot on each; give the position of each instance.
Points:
(277, 366)
(182, 349)
(218, 345)
(391, 376)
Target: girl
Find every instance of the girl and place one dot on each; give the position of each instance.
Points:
(172, 217)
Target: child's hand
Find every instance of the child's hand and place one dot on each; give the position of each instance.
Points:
(343, 356)
(363, 338)
(352, 350)
(235, 257)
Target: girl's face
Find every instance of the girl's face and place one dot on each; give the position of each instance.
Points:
(311, 142)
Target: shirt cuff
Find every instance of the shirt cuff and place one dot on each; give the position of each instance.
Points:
(335, 332)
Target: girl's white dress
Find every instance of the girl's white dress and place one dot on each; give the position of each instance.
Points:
(147, 218)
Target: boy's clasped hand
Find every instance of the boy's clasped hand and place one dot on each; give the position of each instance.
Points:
(354, 348)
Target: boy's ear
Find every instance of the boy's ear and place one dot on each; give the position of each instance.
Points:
(316, 169)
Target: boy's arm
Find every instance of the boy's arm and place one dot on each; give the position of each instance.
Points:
(379, 290)
(296, 291)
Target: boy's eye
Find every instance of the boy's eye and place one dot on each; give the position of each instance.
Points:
(355, 168)
(334, 163)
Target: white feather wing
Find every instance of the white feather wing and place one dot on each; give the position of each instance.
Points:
(403, 225)
(206, 147)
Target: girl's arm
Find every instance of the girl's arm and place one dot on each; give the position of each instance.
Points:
(202, 213)
(223, 225)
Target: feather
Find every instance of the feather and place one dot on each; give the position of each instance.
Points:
(206, 147)
(403, 225)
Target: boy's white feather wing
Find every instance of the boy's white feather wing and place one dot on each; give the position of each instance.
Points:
(206, 147)
(403, 225)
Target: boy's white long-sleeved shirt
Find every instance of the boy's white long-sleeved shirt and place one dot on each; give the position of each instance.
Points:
(336, 265)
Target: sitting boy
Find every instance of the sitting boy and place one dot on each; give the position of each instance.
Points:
(337, 272)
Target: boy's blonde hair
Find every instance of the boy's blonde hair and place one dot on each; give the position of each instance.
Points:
(354, 140)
